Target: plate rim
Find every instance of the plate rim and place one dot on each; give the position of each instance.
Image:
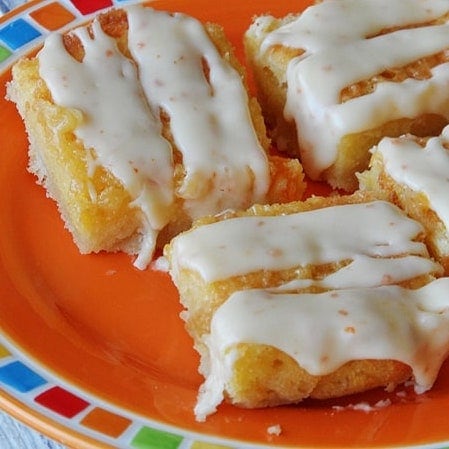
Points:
(46, 424)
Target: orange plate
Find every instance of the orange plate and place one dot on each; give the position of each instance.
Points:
(106, 330)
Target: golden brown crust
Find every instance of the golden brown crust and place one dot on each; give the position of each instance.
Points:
(271, 89)
(264, 376)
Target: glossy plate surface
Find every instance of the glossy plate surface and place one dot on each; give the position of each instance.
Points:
(92, 351)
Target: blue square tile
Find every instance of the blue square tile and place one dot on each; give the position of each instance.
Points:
(18, 33)
(20, 377)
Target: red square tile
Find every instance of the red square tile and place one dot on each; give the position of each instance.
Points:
(90, 6)
(62, 402)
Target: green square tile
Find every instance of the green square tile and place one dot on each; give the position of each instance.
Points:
(147, 438)
(4, 53)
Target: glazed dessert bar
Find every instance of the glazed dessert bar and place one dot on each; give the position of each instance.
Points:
(131, 121)
(321, 246)
(328, 102)
(269, 347)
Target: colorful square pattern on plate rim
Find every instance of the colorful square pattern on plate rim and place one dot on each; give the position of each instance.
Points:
(28, 383)
(74, 409)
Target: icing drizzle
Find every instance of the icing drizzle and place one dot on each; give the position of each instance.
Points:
(121, 101)
(117, 122)
(362, 233)
(223, 162)
(335, 37)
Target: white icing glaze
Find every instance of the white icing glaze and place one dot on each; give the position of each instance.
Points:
(340, 22)
(117, 123)
(224, 163)
(424, 170)
(336, 37)
(244, 245)
(365, 271)
(411, 326)
(225, 166)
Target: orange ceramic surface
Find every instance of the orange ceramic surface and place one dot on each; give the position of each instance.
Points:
(114, 331)
(52, 16)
